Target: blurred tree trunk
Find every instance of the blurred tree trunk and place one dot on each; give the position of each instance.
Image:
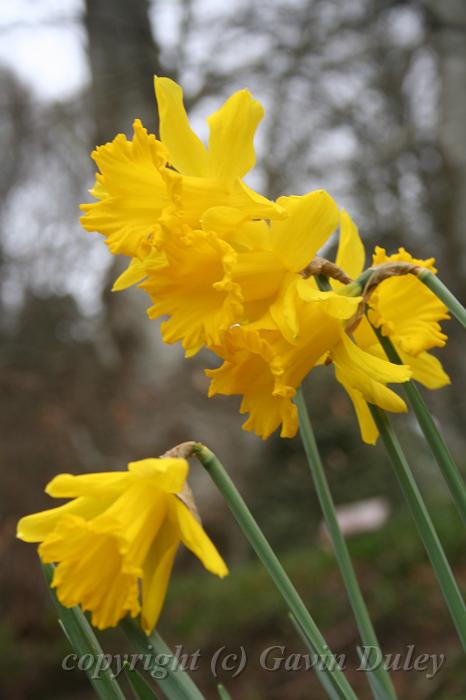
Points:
(123, 57)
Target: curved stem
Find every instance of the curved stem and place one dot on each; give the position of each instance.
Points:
(361, 614)
(425, 276)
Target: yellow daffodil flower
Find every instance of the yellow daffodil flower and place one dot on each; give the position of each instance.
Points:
(406, 311)
(269, 273)
(365, 376)
(403, 309)
(253, 369)
(119, 534)
(196, 291)
(262, 366)
(266, 361)
(141, 195)
(183, 228)
(206, 280)
(227, 268)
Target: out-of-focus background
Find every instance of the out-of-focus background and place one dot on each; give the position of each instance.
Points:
(365, 98)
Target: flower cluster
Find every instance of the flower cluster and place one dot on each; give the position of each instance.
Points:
(226, 268)
(119, 534)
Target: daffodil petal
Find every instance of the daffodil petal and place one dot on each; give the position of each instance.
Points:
(254, 204)
(335, 305)
(167, 473)
(91, 485)
(231, 142)
(38, 526)
(253, 370)
(267, 413)
(196, 291)
(312, 218)
(405, 310)
(284, 310)
(368, 375)
(92, 570)
(222, 219)
(351, 255)
(252, 235)
(104, 547)
(132, 187)
(187, 152)
(133, 274)
(259, 274)
(196, 540)
(157, 570)
(365, 337)
(367, 426)
(378, 369)
(427, 370)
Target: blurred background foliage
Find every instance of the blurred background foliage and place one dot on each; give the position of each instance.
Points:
(364, 98)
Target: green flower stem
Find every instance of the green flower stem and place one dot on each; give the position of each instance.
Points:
(139, 685)
(432, 435)
(267, 556)
(423, 522)
(175, 683)
(223, 693)
(354, 289)
(326, 684)
(84, 642)
(323, 283)
(444, 294)
(361, 614)
(379, 691)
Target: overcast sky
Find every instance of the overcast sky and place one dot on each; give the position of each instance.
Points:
(44, 43)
